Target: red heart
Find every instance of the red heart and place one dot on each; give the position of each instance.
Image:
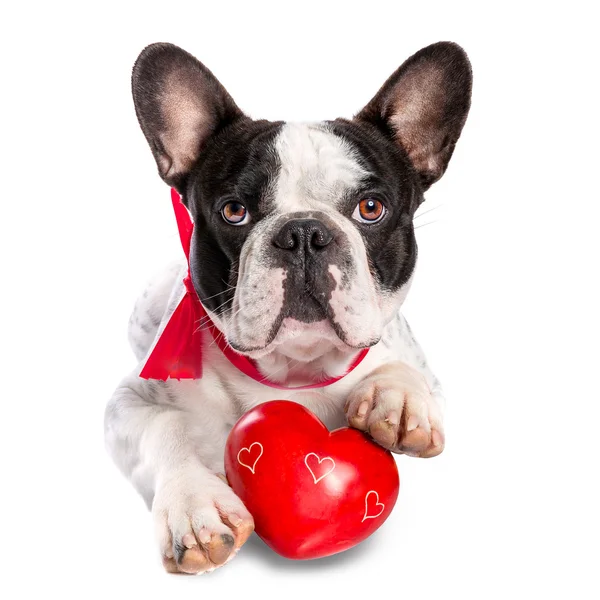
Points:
(312, 493)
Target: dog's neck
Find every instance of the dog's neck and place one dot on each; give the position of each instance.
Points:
(282, 369)
(319, 364)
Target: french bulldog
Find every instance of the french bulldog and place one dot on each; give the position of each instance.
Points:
(302, 254)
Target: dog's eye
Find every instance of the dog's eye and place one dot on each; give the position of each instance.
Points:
(235, 213)
(369, 210)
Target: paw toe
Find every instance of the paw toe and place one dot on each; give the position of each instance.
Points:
(436, 447)
(385, 432)
(415, 441)
(220, 547)
(358, 414)
(241, 526)
(191, 560)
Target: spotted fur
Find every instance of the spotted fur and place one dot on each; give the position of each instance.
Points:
(301, 286)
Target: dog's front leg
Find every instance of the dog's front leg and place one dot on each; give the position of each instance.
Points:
(200, 523)
(400, 403)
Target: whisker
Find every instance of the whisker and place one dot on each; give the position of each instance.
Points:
(423, 224)
(427, 211)
(229, 286)
(206, 318)
(203, 326)
(213, 296)
(221, 334)
(217, 308)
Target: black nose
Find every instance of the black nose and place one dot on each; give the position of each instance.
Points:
(303, 235)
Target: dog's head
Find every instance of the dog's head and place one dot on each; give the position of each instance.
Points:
(303, 238)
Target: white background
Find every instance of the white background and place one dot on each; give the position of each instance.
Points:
(505, 300)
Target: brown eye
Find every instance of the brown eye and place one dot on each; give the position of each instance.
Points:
(235, 213)
(369, 210)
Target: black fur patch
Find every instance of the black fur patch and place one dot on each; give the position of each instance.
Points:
(238, 164)
(391, 244)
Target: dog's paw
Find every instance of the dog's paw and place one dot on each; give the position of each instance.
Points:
(395, 406)
(200, 523)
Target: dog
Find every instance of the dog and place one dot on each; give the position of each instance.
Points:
(302, 254)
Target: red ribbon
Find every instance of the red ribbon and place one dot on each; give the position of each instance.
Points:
(177, 353)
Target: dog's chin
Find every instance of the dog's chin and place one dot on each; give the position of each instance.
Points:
(305, 342)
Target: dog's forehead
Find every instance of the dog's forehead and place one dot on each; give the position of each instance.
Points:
(317, 168)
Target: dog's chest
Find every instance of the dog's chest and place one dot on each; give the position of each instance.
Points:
(225, 392)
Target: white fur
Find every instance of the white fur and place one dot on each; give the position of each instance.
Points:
(169, 437)
(317, 167)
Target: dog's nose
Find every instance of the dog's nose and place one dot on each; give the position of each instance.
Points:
(303, 235)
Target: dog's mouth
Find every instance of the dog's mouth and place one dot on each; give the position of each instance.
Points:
(304, 340)
(278, 309)
(300, 341)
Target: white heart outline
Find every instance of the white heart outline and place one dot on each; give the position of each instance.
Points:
(320, 460)
(248, 449)
(377, 503)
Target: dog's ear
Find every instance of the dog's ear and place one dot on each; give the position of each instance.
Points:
(424, 106)
(179, 104)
